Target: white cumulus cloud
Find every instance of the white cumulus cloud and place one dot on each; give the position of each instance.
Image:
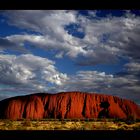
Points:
(29, 71)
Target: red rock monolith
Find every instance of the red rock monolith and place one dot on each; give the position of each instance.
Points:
(65, 105)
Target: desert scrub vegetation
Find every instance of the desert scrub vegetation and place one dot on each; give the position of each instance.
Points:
(77, 124)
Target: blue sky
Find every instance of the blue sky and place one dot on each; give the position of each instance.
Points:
(70, 50)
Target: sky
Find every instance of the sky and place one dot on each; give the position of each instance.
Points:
(95, 51)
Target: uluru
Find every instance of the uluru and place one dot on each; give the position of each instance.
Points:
(66, 105)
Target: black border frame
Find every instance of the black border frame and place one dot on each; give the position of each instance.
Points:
(71, 5)
(71, 135)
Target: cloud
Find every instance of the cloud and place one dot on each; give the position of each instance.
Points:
(37, 20)
(49, 80)
(28, 72)
(124, 86)
(88, 81)
(133, 67)
(3, 97)
(6, 44)
(47, 43)
(51, 29)
(111, 37)
(105, 40)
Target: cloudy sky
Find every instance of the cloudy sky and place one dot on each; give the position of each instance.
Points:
(60, 50)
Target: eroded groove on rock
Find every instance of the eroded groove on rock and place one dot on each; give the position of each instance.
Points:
(68, 107)
(84, 106)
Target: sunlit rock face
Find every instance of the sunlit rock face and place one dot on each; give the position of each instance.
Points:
(66, 105)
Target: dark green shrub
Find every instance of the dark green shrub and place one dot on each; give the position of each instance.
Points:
(27, 123)
(130, 119)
